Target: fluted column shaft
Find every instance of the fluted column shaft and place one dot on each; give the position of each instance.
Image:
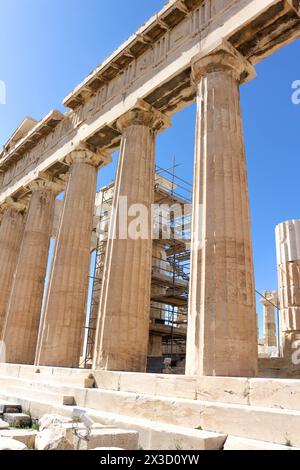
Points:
(24, 308)
(62, 331)
(124, 312)
(11, 232)
(289, 292)
(288, 265)
(222, 331)
(270, 338)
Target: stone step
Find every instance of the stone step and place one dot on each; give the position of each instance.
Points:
(40, 395)
(267, 424)
(152, 435)
(256, 422)
(56, 375)
(65, 395)
(239, 443)
(270, 393)
(36, 408)
(257, 428)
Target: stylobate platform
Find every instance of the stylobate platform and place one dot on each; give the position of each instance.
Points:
(155, 405)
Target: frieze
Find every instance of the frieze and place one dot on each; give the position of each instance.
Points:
(172, 44)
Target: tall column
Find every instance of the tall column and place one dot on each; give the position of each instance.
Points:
(155, 346)
(268, 304)
(11, 232)
(124, 312)
(222, 332)
(288, 265)
(24, 308)
(62, 331)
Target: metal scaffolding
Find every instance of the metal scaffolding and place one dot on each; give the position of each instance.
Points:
(170, 319)
(170, 265)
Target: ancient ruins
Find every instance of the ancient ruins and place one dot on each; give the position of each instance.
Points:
(145, 300)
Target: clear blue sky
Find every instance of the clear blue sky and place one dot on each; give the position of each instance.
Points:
(48, 46)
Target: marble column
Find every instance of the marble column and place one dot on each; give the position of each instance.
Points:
(288, 265)
(155, 346)
(222, 332)
(62, 331)
(11, 232)
(268, 303)
(124, 313)
(24, 307)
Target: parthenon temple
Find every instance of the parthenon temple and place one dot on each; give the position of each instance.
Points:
(173, 317)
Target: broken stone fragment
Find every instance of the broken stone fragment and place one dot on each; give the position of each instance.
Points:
(53, 438)
(11, 444)
(3, 424)
(26, 436)
(52, 420)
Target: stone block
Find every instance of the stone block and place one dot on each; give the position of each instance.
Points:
(53, 420)
(179, 386)
(269, 424)
(89, 382)
(108, 437)
(52, 439)
(17, 419)
(276, 393)
(10, 369)
(6, 407)
(107, 380)
(166, 437)
(240, 443)
(68, 400)
(71, 428)
(138, 383)
(11, 444)
(26, 436)
(223, 389)
(3, 424)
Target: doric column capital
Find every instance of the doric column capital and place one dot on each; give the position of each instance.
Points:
(47, 186)
(143, 114)
(84, 154)
(269, 299)
(14, 206)
(223, 58)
